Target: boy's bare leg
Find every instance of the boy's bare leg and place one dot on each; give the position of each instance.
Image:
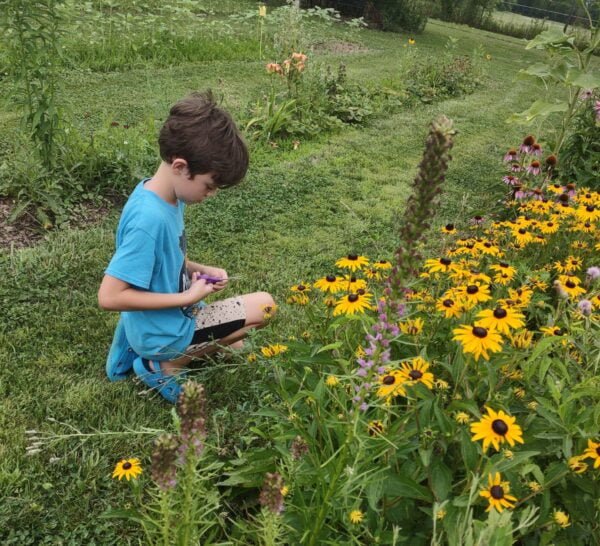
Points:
(254, 304)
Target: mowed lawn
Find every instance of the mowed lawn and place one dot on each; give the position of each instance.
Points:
(297, 212)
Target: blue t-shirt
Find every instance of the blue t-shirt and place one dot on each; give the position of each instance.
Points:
(150, 255)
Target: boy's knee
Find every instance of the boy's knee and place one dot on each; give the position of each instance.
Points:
(262, 308)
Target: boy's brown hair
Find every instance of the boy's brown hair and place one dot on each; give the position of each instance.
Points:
(206, 136)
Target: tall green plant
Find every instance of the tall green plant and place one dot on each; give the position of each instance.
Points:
(567, 67)
(31, 32)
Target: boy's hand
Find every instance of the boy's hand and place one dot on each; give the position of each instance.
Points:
(199, 289)
(216, 273)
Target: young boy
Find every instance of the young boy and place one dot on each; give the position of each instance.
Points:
(164, 323)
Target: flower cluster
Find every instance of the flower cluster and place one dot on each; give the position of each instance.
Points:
(290, 67)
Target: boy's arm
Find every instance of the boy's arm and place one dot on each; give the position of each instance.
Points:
(117, 295)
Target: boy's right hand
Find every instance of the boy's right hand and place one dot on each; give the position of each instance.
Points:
(199, 289)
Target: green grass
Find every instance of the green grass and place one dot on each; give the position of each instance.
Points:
(297, 212)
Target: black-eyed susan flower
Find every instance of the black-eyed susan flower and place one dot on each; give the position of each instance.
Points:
(501, 319)
(391, 384)
(382, 264)
(412, 327)
(353, 303)
(301, 287)
(415, 371)
(127, 468)
(495, 428)
(579, 245)
(534, 486)
(505, 268)
(577, 464)
(373, 274)
(549, 226)
(353, 262)
(354, 284)
(561, 519)
(588, 213)
(522, 236)
(356, 516)
(299, 298)
(251, 358)
(593, 452)
(570, 284)
(270, 351)
(478, 340)
(497, 494)
(331, 283)
(441, 265)
(448, 229)
(449, 307)
(472, 294)
(375, 427)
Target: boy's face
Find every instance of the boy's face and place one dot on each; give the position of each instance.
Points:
(193, 190)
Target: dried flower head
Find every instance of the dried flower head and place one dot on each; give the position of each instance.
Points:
(271, 496)
(164, 461)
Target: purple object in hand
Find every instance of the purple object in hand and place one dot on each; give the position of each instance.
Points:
(209, 279)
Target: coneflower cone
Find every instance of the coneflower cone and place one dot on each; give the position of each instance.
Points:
(421, 205)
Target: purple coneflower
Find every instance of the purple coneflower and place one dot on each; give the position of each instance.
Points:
(477, 220)
(511, 155)
(515, 168)
(527, 144)
(586, 94)
(534, 168)
(510, 180)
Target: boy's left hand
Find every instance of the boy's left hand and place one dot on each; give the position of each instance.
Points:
(217, 273)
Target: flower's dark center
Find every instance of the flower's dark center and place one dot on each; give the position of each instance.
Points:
(389, 380)
(529, 140)
(588, 195)
(535, 164)
(512, 151)
(590, 208)
(522, 231)
(330, 278)
(556, 186)
(415, 374)
(570, 186)
(550, 224)
(477, 218)
(497, 492)
(587, 225)
(551, 160)
(301, 287)
(445, 261)
(479, 332)
(352, 257)
(448, 303)
(450, 227)
(499, 427)
(383, 262)
(558, 332)
(564, 197)
(127, 465)
(503, 264)
(470, 246)
(472, 289)
(352, 298)
(598, 450)
(353, 279)
(570, 284)
(361, 291)
(500, 313)
(487, 245)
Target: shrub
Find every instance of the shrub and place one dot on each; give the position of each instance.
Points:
(580, 154)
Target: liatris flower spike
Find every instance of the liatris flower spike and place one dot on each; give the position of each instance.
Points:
(191, 408)
(164, 462)
(271, 496)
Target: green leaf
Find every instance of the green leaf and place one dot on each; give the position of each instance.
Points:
(403, 486)
(517, 458)
(441, 480)
(552, 36)
(538, 70)
(539, 108)
(585, 81)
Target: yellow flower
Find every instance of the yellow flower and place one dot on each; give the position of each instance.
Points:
(262, 10)
(507, 454)
(500, 319)
(382, 264)
(356, 516)
(522, 339)
(331, 381)
(251, 357)
(534, 486)
(441, 385)
(532, 405)
(577, 465)
(353, 303)
(441, 265)
(301, 287)
(298, 299)
(520, 392)
(462, 417)
(373, 274)
(273, 350)
(412, 327)
(488, 57)
(411, 41)
(497, 494)
(331, 283)
(353, 262)
(440, 514)
(449, 307)
(496, 428)
(415, 371)
(593, 452)
(128, 468)
(478, 340)
(570, 284)
(562, 519)
(474, 293)
(352, 284)
(268, 311)
(391, 384)
(284, 490)
(376, 427)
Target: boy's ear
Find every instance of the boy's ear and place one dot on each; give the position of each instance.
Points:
(179, 165)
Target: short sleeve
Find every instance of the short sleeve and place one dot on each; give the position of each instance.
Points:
(135, 259)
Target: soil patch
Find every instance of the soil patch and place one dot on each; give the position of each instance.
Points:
(338, 48)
